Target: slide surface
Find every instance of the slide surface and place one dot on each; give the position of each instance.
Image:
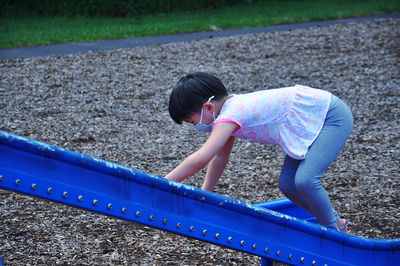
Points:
(276, 230)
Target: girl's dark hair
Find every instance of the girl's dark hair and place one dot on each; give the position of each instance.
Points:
(191, 92)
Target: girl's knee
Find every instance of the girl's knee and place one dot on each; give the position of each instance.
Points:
(285, 187)
(305, 185)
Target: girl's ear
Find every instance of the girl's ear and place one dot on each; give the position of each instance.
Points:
(209, 106)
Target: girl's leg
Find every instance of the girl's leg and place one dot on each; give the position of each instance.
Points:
(287, 184)
(288, 187)
(322, 152)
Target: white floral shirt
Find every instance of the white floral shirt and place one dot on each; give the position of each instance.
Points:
(290, 117)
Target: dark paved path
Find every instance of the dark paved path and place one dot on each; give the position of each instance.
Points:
(84, 47)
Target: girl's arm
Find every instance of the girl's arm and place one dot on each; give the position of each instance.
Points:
(217, 165)
(220, 135)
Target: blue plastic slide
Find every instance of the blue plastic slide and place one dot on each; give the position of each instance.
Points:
(275, 231)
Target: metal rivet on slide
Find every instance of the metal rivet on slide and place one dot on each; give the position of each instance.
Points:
(137, 213)
(65, 194)
(124, 210)
(314, 262)
(242, 243)
(204, 232)
(178, 225)
(254, 246)
(217, 235)
(266, 250)
(18, 182)
(302, 259)
(230, 239)
(1, 178)
(80, 198)
(278, 253)
(165, 221)
(290, 256)
(95, 202)
(191, 228)
(151, 217)
(109, 206)
(33, 186)
(50, 190)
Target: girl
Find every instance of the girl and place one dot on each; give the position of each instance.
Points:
(310, 125)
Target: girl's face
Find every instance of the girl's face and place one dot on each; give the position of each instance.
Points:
(208, 118)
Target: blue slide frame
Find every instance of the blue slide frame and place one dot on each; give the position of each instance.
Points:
(275, 231)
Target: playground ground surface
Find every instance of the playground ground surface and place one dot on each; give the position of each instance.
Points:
(113, 105)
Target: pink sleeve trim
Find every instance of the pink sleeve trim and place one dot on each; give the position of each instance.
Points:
(227, 120)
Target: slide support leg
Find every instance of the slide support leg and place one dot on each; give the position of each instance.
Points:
(266, 262)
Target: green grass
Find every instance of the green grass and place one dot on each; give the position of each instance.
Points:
(18, 31)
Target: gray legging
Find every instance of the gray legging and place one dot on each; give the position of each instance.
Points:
(300, 180)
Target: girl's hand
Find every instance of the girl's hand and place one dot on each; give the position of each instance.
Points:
(220, 135)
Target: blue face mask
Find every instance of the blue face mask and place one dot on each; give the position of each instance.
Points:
(203, 127)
